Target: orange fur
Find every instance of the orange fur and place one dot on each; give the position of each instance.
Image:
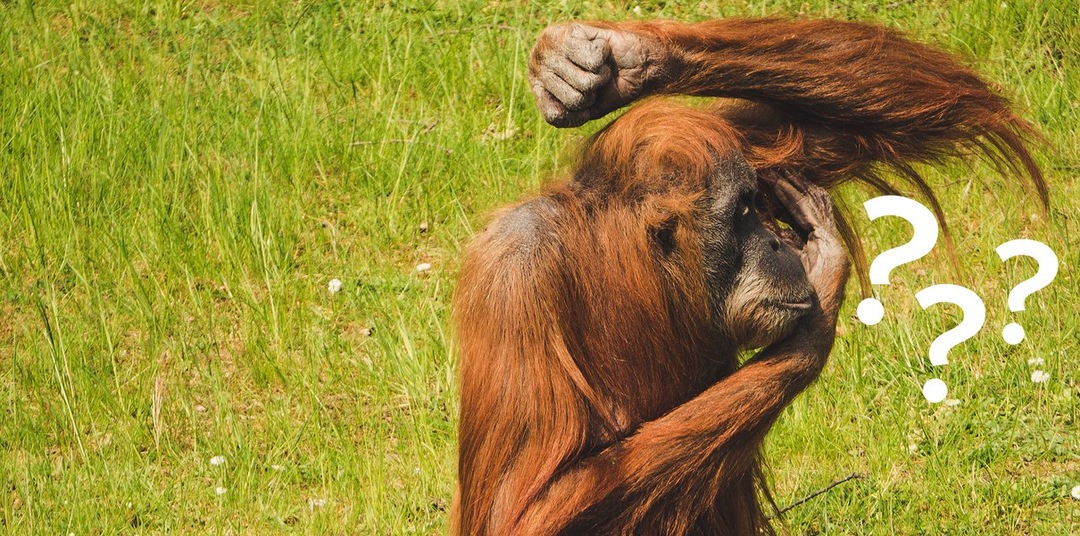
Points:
(597, 395)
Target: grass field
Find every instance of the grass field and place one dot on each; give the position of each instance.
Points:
(180, 181)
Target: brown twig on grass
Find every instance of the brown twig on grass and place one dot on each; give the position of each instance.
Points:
(852, 476)
(408, 141)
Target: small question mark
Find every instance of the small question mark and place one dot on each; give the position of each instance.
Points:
(974, 317)
(925, 233)
(1048, 269)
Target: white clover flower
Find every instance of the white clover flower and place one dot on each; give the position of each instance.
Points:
(220, 490)
(423, 267)
(217, 460)
(1076, 492)
(1036, 361)
(1040, 376)
(952, 402)
(316, 503)
(335, 286)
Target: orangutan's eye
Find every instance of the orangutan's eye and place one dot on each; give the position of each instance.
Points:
(746, 204)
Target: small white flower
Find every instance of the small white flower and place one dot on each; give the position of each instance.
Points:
(1076, 492)
(335, 286)
(1036, 361)
(220, 490)
(217, 460)
(912, 448)
(952, 402)
(278, 467)
(423, 267)
(1040, 376)
(316, 503)
(637, 10)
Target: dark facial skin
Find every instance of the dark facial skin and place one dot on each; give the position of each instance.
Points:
(758, 283)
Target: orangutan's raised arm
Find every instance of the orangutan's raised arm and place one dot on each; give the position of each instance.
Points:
(856, 93)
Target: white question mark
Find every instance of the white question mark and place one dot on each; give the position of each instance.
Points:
(974, 317)
(1048, 269)
(925, 233)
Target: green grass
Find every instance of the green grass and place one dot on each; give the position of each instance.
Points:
(179, 181)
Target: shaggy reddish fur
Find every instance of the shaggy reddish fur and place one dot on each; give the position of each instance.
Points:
(595, 396)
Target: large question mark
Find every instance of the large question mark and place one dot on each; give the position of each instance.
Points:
(974, 317)
(925, 233)
(1048, 269)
